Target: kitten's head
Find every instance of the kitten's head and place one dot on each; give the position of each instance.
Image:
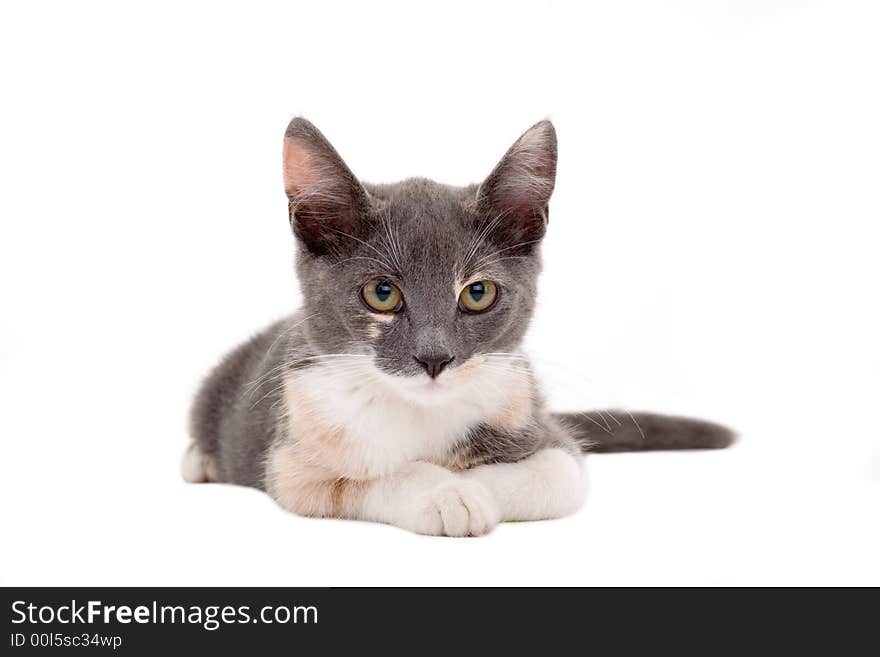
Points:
(432, 281)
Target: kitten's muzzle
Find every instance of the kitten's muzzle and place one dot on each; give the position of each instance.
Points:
(434, 363)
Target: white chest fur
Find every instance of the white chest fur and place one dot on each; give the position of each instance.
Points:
(361, 422)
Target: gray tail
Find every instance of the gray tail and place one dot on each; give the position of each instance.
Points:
(622, 431)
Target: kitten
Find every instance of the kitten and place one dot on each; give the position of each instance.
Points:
(398, 393)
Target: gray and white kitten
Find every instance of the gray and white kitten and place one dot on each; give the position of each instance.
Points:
(398, 393)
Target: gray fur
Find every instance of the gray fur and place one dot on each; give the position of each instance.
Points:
(428, 238)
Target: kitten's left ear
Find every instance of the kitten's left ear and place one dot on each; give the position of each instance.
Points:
(519, 188)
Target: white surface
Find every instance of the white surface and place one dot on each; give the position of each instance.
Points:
(713, 251)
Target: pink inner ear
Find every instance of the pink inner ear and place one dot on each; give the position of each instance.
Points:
(299, 171)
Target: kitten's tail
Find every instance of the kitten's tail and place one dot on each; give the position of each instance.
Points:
(622, 431)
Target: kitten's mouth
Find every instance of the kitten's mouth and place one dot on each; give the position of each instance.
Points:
(429, 391)
(452, 384)
(424, 383)
(431, 383)
(423, 388)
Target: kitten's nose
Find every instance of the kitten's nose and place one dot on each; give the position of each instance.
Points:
(434, 363)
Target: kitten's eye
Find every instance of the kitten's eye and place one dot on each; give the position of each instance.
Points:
(382, 296)
(477, 297)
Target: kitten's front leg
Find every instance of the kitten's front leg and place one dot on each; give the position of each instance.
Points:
(421, 497)
(547, 484)
(428, 499)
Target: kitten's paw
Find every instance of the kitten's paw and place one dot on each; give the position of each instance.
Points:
(548, 484)
(457, 508)
(196, 466)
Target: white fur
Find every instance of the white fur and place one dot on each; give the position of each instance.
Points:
(388, 421)
(392, 428)
(548, 484)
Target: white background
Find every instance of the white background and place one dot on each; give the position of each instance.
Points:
(712, 251)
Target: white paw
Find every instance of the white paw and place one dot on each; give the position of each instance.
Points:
(197, 467)
(548, 484)
(456, 508)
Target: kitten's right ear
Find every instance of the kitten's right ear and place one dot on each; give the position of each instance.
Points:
(327, 203)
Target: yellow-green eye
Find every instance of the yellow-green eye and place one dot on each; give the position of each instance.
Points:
(477, 297)
(382, 296)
